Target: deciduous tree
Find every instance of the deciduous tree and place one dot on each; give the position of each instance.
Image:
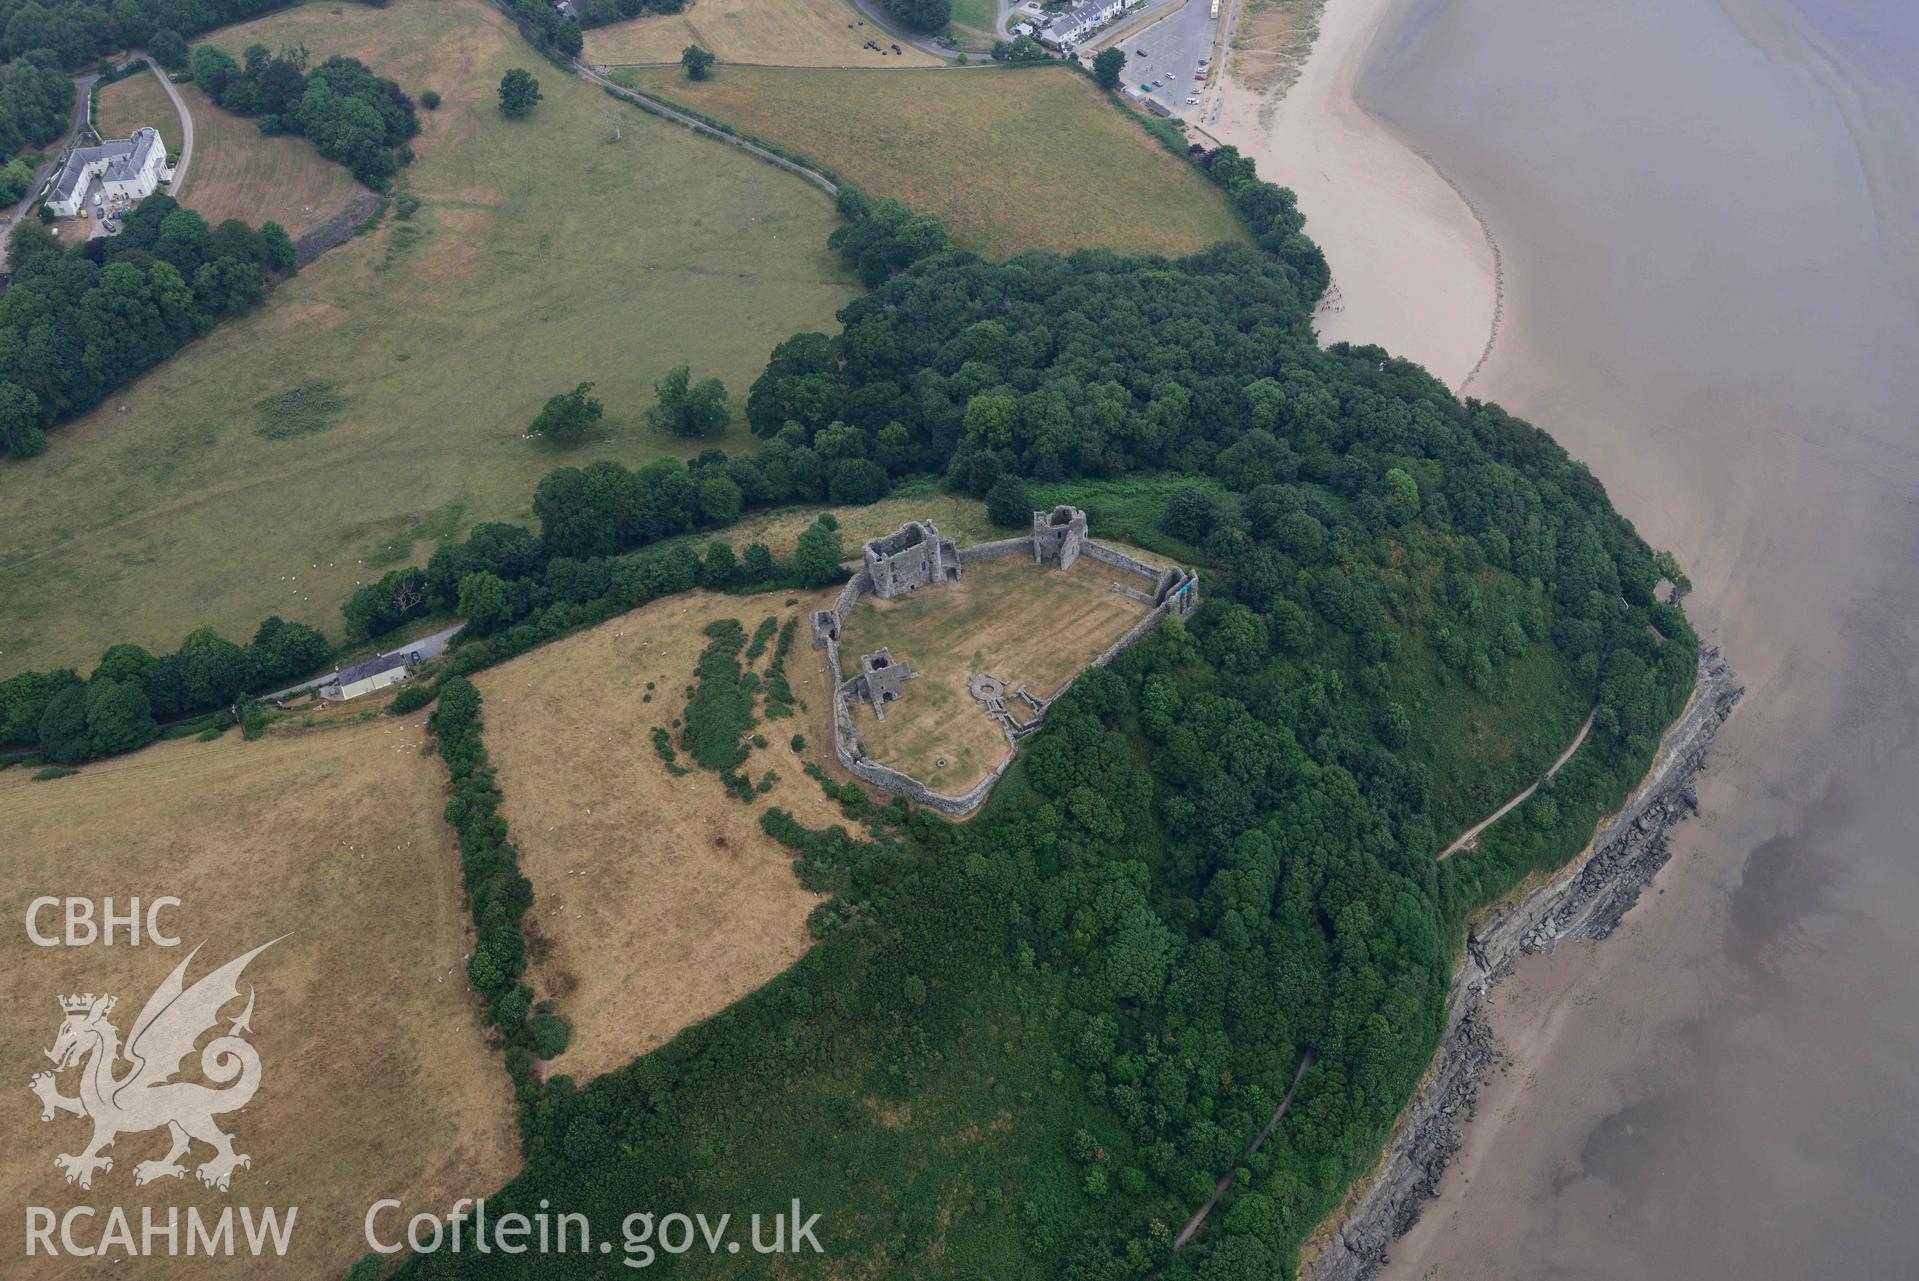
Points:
(568, 415)
(519, 91)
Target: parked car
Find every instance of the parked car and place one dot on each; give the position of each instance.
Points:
(1139, 53)
(1145, 88)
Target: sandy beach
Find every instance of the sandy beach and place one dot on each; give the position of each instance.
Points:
(1413, 269)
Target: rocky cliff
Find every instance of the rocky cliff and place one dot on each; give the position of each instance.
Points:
(1585, 901)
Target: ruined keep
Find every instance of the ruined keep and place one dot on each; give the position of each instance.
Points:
(882, 680)
(912, 557)
(1058, 536)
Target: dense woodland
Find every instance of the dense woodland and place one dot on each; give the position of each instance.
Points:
(1213, 866)
(78, 322)
(922, 15)
(36, 98)
(351, 115)
(598, 13)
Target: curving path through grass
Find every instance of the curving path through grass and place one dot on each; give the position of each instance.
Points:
(1471, 834)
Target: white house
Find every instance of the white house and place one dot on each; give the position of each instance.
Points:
(370, 674)
(130, 168)
(1080, 20)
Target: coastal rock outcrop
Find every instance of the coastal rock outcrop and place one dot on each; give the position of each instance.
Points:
(1586, 901)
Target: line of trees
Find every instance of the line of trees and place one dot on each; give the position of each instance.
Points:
(76, 323)
(120, 704)
(498, 893)
(361, 120)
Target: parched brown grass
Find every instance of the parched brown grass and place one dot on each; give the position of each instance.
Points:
(237, 171)
(777, 33)
(1026, 624)
(658, 901)
(138, 100)
(1011, 159)
(376, 1081)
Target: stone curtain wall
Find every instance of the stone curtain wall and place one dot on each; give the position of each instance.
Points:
(1126, 642)
(892, 780)
(1120, 560)
(994, 550)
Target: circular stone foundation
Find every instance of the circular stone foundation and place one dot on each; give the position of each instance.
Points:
(986, 688)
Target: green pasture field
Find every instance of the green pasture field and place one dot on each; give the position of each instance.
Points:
(591, 242)
(1010, 159)
(976, 17)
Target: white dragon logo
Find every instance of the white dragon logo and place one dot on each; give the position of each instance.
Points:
(146, 1097)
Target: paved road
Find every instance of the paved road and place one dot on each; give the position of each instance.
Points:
(1472, 833)
(186, 123)
(426, 647)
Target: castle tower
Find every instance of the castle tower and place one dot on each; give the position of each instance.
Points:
(882, 680)
(912, 557)
(1058, 536)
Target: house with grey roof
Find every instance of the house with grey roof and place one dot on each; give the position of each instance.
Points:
(1077, 21)
(370, 674)
(127, 168)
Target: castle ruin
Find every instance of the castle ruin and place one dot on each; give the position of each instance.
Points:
(1057, 536)
(882, 680)
(912, 557)
(915, 556)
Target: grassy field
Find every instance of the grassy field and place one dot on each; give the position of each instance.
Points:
(375, 1077)
(976, 19)
(1026, 624)
(790, 33)
(1010, 159)
(237, 171)
(659, 901)
(138, 100)
(543, 255)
